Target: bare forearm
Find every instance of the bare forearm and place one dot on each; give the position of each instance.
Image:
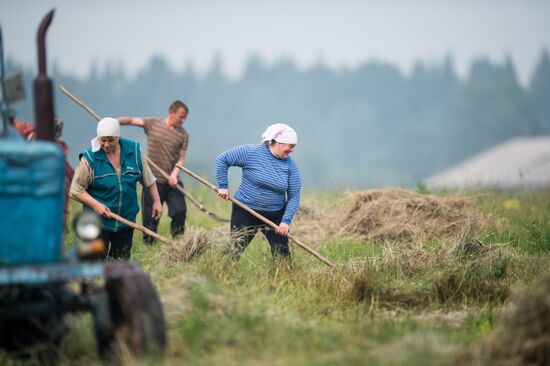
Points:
(176, 171)
(153, 191)
(132, 121)
(180, 162)
(98, 207)
(124, 120)
(85, 198)
(157, 206)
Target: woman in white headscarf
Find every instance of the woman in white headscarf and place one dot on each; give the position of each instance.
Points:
(105, 181)
(270, 185)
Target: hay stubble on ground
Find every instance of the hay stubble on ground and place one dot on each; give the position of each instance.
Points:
(422, 280)
(195, 242)
(419, 295)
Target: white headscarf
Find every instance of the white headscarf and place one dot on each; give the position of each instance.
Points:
(281, 133)
(106, 127)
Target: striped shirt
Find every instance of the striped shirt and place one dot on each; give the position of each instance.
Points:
(164, 145)
(267, 181)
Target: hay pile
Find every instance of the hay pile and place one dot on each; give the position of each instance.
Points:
(390, 215)
(195, 242)
(523, 338)
(399, 215)
(312, 225)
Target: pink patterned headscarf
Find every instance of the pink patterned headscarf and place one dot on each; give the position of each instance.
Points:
(281, 133)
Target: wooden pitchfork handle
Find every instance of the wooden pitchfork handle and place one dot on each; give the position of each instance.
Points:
(191, 198)
(257, 215)
(162, 172)
(80, 103)
(141, 228)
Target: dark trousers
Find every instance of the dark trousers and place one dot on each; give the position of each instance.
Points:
(119, 243)
(177, 210)
(244, 227)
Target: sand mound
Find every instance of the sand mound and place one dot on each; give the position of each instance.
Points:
(399, 215)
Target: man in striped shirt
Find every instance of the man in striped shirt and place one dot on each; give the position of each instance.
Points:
(167, 143)
(270, 185)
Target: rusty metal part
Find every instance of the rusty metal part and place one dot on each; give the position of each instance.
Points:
(43, 92)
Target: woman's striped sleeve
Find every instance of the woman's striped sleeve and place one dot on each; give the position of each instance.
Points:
(236, 156)
(294, 187)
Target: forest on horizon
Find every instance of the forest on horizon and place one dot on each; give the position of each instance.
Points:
(360, 127)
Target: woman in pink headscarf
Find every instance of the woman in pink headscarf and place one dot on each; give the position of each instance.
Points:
(270, 185)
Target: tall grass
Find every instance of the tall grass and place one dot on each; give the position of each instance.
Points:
(388, 304)
(521, 218)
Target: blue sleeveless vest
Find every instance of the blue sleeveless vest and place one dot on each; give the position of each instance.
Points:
(116, 192)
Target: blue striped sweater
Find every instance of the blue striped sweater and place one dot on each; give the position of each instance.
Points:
(267, 181)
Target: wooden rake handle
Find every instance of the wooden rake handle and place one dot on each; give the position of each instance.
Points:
(141, 228)
(191, 198)
(77, 101)
(257, 215)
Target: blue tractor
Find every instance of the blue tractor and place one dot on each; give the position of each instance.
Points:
(40, 284)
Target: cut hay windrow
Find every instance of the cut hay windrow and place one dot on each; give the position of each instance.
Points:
(524, 336)
(392, 215)
(399, 215)
(195, 242)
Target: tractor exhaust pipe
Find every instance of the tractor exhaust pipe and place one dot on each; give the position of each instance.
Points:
(43, 90)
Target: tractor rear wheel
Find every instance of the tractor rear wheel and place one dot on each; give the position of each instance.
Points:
(34, 335)
(137, 315)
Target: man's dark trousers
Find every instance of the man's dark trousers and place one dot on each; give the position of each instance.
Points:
(177, 210)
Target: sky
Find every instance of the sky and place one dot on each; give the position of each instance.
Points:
(339, 34)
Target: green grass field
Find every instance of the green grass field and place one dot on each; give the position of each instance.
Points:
(386, 306)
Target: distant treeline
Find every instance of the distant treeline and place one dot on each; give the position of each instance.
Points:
(367, 126)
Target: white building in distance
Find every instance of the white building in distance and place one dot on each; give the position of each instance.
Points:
(516, 163)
